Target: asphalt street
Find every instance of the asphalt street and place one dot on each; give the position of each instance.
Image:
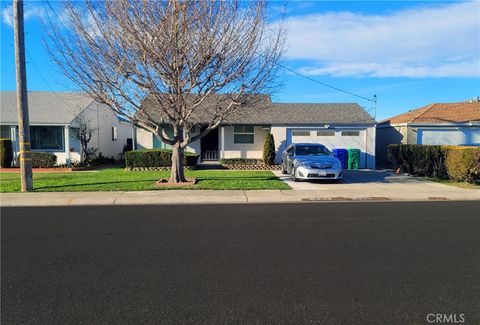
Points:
(307, 263)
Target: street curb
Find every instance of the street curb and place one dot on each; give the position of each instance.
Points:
(181, 197)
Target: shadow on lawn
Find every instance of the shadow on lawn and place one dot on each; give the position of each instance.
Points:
(250, 178)
(96, 183)
(153, 180)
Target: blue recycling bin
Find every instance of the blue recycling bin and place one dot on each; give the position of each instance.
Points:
(342, 155)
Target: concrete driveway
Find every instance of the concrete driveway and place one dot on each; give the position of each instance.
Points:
(373, 183)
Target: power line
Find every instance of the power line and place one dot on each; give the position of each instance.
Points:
(299, 74)
(374, 100)
(322, 83)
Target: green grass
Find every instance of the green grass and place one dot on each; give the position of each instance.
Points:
(117, 179)
(453, 183)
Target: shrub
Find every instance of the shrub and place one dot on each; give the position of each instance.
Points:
(43, 160)
(454, 162)
(241, 161)
(421, 160)
(393, 154)
(156, 158)
(463, 164)
(89, 156)
(269, 150)
(6, 153)
(101, 160)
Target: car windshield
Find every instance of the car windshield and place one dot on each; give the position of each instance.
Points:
(311, 151)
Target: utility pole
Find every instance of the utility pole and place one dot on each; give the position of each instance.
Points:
(22, 99)
(375, 106)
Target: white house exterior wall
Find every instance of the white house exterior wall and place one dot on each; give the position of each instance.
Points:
(63, 157)
(283, 138)
(103, 119)
(244, 150)
(144, 139)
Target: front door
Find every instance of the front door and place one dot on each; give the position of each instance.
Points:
(209, 146)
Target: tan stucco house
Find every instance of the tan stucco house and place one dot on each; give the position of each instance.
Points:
(336, 125)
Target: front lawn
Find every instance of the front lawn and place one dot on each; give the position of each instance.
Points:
(117, 179)
(453, 183)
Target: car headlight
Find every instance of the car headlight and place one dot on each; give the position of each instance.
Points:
(301, 164)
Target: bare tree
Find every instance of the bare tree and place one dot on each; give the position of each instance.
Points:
(84, 132)
(178, 53)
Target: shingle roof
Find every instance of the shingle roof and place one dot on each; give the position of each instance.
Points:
(438, 113)
(44, 107)
(318, 113)
(266, 112)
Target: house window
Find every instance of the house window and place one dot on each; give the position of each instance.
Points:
(5, 132)
(350, 133)
(114, 133)
(243, 134)
(325, 133)
(301, 133)
(46, 138)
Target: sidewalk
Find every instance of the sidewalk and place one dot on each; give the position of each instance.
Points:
(376, 193)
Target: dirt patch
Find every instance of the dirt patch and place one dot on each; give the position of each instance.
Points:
(165, 183)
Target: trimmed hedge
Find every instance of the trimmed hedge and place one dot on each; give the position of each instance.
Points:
(454, 162)
(419, 160)
(42, 160)
(156, 158)
(463, 164)
(6, 153)
(241, 161)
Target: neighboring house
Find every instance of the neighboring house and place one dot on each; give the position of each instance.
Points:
(440, 123)
(339, 125)
(53, 117)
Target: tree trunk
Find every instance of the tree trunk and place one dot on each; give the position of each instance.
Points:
(177, 174)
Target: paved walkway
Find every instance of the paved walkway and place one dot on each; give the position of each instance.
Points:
(364, 185)
(344, 192)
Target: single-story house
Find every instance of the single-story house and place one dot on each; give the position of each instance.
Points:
(53, 116)
(435, 124)
(336, 125)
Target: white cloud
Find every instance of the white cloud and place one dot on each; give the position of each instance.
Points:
(433, 41)
(29, 12)
(7, 16)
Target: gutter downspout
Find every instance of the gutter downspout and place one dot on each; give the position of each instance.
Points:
(134, 137)
(406, 136)
(67, 145)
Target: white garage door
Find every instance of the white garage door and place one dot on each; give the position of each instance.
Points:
(460, 136)
(354, 139)
(325, 137)
(347, 139)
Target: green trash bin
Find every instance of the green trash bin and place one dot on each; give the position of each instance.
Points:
(353, 158)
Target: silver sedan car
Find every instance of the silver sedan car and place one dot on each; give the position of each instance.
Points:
(310, 161)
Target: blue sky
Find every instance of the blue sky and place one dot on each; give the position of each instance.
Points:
(408, 53)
